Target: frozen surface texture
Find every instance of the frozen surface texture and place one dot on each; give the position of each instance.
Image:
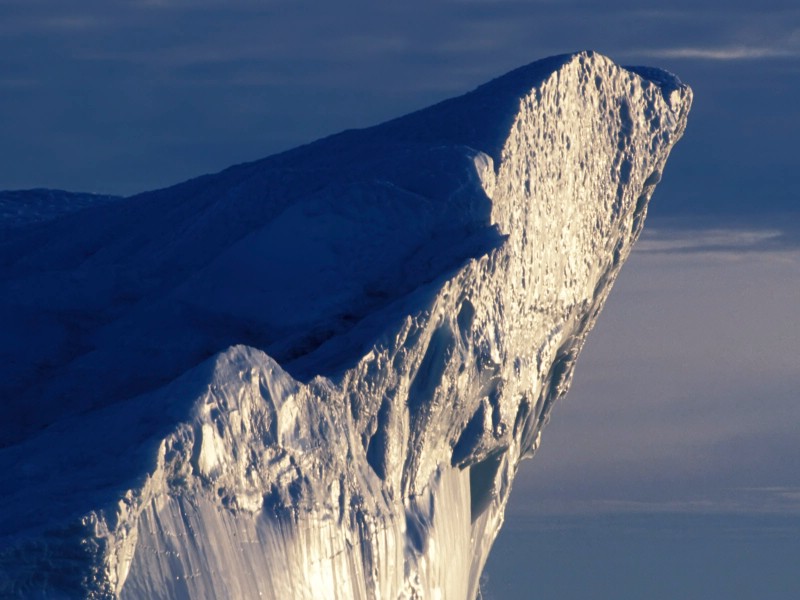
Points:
(19, 208)
(315, 375)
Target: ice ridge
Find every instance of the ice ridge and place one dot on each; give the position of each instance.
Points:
(315, 375)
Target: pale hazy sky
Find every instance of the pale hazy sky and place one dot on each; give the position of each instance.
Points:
(685, 398)
(670, 469)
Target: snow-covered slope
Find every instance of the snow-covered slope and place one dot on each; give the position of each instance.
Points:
(315, 375)
(21, 208)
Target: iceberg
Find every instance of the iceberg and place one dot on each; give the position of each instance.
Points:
(316, 375)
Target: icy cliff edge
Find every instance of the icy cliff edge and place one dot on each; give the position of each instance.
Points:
(401, 306)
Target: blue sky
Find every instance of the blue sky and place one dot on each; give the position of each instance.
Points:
(124, 96)
(685, 399)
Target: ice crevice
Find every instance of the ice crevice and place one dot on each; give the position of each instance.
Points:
(357, 370)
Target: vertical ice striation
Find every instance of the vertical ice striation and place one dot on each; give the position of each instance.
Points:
(408, 301)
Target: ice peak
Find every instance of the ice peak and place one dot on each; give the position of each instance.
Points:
(315, 375)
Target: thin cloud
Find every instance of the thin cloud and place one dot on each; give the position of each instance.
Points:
(731, 241)
(768, 504)
(726, 53)
(21, 26)
(73, 23)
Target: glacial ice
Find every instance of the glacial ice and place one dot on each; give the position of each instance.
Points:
(315, 375)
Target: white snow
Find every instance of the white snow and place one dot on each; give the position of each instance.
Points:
(314, 376)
